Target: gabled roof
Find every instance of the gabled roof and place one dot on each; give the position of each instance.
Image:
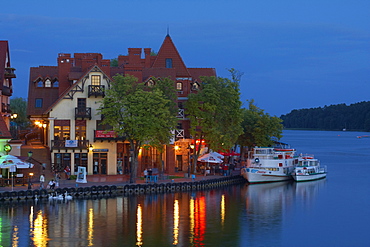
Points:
(4, 57)
(4, 131)
(168, 50)
(95, 67)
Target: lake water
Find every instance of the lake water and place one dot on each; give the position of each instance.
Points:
(330, 212)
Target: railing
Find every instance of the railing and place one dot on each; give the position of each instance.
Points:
(6, 91)
(83, 112)
(96, 91)
(181, 113)
(60, 144)
(5, 108)
(9, 73)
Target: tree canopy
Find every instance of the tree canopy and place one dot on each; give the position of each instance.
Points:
(259, 128)
(144, 115)
(334, 117)
(19, 106)
(215, 113)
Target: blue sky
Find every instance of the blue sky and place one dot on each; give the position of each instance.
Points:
(294, 54)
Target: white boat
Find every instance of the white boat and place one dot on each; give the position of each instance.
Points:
(270, 164)
(308, 169)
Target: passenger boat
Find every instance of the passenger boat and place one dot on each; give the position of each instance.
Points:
(270, 164)
(308, 169)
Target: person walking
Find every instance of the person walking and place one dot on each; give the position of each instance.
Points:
(42, 181)
(67, 171)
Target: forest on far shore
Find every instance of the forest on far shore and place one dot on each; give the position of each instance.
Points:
(334, 117)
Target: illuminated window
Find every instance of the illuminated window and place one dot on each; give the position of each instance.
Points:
(48, 83)
(95, 80)
(179, 85)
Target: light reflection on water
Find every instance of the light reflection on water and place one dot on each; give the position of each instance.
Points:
(236, 216)
(242, 215)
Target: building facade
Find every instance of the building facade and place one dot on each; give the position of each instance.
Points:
(6, 90)
(63, 101)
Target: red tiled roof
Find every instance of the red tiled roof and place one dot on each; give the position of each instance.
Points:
(4, 131)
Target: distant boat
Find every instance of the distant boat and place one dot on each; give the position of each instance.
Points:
(364, 136)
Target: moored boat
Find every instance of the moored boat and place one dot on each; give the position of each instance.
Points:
(270, 164)
(308, 169)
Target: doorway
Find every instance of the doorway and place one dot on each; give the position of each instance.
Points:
(100, 161)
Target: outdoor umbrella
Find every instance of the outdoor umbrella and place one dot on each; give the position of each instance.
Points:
(7, 161)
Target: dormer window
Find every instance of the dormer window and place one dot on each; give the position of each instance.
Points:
(95, 80)
(56, 83)
(195, 86)
(48, 83)
(150, 83)
(40, 84)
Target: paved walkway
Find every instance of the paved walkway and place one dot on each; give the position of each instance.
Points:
(118, 180)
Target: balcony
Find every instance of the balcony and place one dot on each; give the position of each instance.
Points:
(96, 91)
(83, 112)
(5, 108)
(181, 113)
(9, 73)
(179, 134)
(104, 135)
(6, 91)
(69, 144)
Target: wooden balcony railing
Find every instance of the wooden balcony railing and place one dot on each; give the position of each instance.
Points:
(96, 91)
(67, 144)
(9, 73)
(83, 112)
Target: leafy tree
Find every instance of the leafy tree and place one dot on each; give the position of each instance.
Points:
(259, 128)
(143, 115)
(215, 114)
(19, 106)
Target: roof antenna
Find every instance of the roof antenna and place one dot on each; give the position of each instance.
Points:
(168, 31)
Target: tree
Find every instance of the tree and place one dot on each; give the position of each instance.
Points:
(144, 115)
(19, 106)
(215, 114)
(259, 128)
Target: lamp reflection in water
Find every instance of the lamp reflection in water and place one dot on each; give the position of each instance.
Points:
(38, 228)
(176, 219)
(191, 219)
(90, 230)
(139, 226)
(222, 210)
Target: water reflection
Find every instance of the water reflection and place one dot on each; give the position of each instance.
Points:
(234, 216)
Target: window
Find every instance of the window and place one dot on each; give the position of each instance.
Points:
(95, 80)
(61, 130)
(169, 63)
(80, 160)
(179, 85)
(40, 84)
(38, 103)
(80, 129)
(48, 83)
(56, 83)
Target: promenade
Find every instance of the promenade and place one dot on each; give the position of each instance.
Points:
(118, 180)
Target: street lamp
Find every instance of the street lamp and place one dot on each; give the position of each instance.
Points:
(29, 180)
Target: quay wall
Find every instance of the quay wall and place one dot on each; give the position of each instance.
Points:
(127, 189)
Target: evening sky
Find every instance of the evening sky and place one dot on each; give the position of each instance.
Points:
(294, 54)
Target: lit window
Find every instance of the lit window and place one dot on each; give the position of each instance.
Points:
(169, 63)
(38, 103)
(47, 83)
(179, 85)
(95, 80)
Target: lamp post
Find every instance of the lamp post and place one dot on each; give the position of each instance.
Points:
(29, 180)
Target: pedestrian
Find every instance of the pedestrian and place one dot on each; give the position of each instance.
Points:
(67, 171)
(52, 184)
(42, 181)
